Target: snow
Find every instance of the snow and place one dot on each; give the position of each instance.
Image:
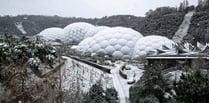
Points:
(78, 74)
(74, 47)
(183, 28)
(175, 75)
(50, 57)
(121, 85)
(35, 61)
(20, 27)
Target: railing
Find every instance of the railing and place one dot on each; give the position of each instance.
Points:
(53, 71)
(106, 70)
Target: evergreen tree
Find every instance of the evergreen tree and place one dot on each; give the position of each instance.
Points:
(187, 3)
(111, 95)
(152, 85)
(95, 95)
(192, 88)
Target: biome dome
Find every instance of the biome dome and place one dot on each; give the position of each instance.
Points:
(75, 32)
(117, 42)
(83, 46)
(151, 43)
(95, 30)
(52, 34)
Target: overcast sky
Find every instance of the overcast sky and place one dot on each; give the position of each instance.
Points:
(83, 8)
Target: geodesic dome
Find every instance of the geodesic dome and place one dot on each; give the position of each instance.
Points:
(95, 30)
(151, 44)
(117, 42)
(75, 32)
(52, 34)
(84, 45)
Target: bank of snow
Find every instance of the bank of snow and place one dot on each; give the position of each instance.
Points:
(76, 74)
(121, 85)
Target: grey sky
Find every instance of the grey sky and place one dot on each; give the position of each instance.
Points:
(83, 8)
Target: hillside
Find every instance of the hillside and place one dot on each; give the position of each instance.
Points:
(164, 21)
(199, 28)
(165, 25)
(153, 25)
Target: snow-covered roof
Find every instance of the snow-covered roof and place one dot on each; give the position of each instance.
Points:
(117, 42)
(149, 44)
(52, 34)
(75, 32)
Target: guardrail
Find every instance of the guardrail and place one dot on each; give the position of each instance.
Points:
(106, 70)
(53, 71)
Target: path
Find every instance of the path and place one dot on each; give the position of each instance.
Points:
(117, 84)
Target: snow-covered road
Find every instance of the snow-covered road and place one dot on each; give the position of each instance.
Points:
(117, 84)
(183, 28)
(121, 84)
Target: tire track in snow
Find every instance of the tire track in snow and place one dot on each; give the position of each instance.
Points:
(118, 85)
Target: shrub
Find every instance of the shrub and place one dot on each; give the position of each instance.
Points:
(193, 88)
(152, 85)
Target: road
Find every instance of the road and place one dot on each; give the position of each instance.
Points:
(118, 85)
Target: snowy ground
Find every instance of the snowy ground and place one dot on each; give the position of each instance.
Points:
(183, 28)
(77, 74)
(121, 84)
(20, 27)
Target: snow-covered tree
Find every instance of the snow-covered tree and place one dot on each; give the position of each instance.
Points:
(17, 56)
(111, 95)
(151, 87)
(96, 94)
(192, 88)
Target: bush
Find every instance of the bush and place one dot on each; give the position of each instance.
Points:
(192, 88)
(111, 95)
(150, 88)
(164, 25)
(96, 94)
(199, 29)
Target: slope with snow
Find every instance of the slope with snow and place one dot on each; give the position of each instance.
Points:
(20, 27)
(76, 74)
(183, 28)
